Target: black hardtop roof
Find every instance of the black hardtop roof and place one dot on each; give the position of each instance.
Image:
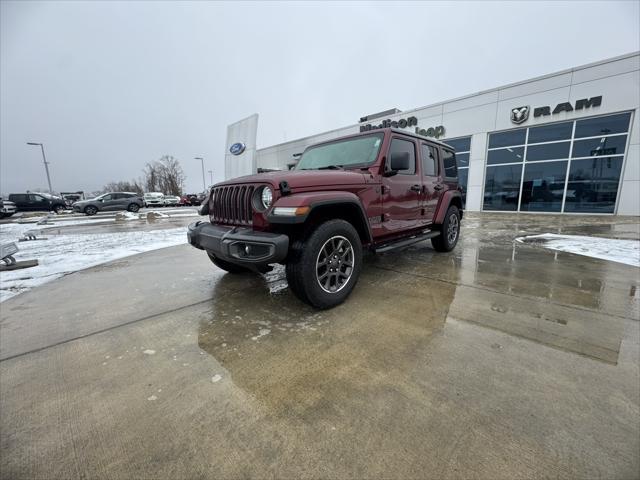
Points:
(383, 130)
(415, 135)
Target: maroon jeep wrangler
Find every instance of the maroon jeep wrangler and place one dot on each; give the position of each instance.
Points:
(378, 190)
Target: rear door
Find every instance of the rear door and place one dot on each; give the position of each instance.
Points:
(402, 196)
(121, 201)
(431, 180)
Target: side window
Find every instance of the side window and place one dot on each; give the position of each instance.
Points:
(118, 196)
(429, 160)
(106, 198)
(20, 197)
(449, 163)
(35, 198)
(398, 145)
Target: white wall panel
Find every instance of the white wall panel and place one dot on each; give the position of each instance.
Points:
(537, 86)
(606, 69)
(629, 203)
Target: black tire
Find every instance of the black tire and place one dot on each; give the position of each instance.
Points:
(90, 210)
(59, 209)
(449, 231)
(133, 207)
(323, 268)
(227, 266)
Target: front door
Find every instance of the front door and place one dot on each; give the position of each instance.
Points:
(402, 193)
(109, 202)
(432, 181)
(38, 203)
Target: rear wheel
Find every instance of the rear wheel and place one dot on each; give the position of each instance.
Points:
(90, 210)
(323, 269)
(449, 231)
(133, 207)
(227, 266)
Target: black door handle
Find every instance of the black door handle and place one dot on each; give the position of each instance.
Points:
(438, 187)
(416, 188)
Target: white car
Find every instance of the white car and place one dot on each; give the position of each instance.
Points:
(154, 199)
(171, 201)
(7, 208)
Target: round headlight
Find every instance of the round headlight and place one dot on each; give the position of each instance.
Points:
(267, 197)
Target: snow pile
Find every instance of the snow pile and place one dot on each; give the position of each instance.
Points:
(614, 250)
(64, 254)
(125, 216)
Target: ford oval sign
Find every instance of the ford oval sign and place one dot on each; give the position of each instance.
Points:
(237, 148)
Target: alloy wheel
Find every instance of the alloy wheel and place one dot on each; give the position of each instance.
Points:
(452, 229)
(335, 264)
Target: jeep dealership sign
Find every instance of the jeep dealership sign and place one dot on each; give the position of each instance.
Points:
(436, 132)
(521, 114)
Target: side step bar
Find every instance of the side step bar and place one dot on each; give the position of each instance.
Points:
(404, 242)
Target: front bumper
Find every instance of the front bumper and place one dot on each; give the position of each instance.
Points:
(242, 246)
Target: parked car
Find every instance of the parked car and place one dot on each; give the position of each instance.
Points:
(171, 201)
(154, 199)
(38, 202)
(7, 208)
(184, 201)
(109, 202)
(72, 197)
(377, 190)
(192, 199)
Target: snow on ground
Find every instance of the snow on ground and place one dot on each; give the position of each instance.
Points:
(64, 254)
(614, 250)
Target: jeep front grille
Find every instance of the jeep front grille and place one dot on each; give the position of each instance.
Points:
(232, 205)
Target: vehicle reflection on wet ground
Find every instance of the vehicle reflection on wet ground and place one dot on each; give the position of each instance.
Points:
(498, 360)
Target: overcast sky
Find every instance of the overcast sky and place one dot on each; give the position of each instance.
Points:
(110, 86)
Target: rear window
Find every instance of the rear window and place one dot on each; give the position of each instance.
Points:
(449, 164)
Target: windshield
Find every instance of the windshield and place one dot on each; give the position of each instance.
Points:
(360, 151)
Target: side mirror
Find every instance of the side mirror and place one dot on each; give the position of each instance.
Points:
(398, 161)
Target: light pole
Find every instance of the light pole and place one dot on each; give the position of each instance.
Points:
(211, 176)
(204, 182)
(46, 164)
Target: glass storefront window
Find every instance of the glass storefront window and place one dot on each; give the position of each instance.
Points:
(596, 147)
(593, 185)
(463, 159)
(551, 133)
(502, 187)
(543, 186)
(548, 151)
(505, 155)
(592, 127)
(508, 138)
(460, 144)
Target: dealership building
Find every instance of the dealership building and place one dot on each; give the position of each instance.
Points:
(567, 142)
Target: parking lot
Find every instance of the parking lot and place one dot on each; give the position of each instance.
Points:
(498, 360)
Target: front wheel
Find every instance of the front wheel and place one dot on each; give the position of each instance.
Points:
(59, 209)
(90, 210)
(134, 207)
(323, 269)
(449, 231)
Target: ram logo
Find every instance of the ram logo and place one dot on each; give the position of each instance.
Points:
(519, 114)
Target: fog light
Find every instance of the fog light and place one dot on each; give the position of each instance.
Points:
(247, 250)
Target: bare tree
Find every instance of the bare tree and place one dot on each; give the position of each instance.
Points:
(123, 186)
(164, 175)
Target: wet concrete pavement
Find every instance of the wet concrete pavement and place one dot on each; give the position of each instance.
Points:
(497, 360)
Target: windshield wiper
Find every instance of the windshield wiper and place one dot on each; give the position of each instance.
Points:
(331, 167)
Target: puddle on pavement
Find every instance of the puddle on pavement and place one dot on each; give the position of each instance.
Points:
(293, 357)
